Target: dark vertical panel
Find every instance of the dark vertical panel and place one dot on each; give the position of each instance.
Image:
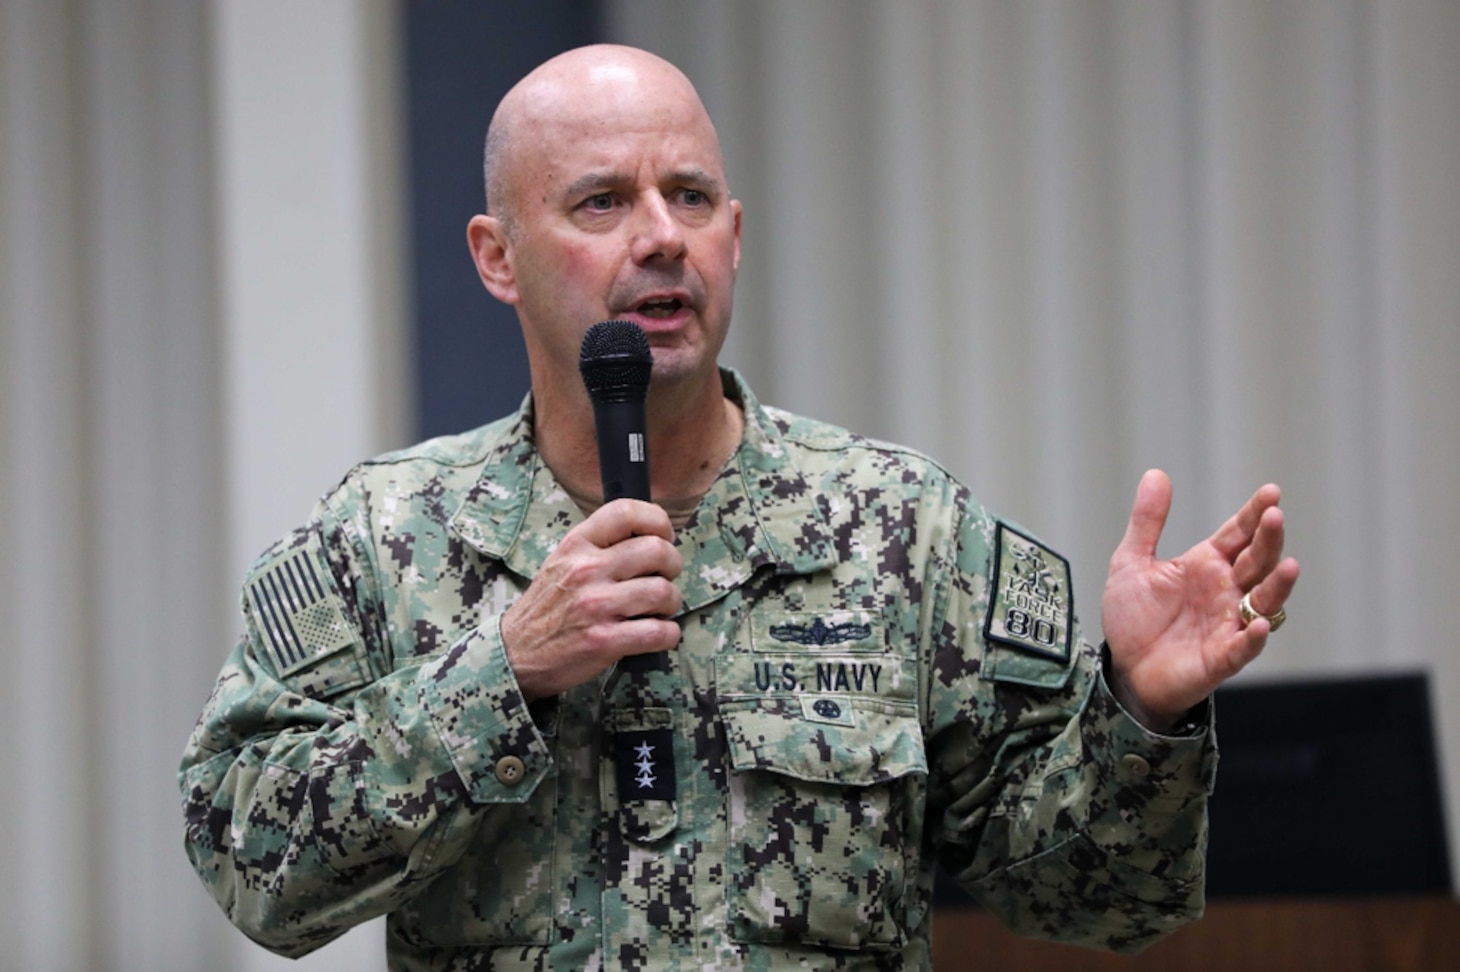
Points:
(462, 56)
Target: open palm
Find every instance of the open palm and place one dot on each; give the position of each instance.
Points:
(1173, 626)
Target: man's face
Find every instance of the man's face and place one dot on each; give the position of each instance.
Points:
(619, 209)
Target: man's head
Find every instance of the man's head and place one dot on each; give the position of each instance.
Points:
(608, 199)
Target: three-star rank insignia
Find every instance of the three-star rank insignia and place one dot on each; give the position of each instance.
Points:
(644, 764)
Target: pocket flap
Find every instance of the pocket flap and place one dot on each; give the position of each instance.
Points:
(877, 742)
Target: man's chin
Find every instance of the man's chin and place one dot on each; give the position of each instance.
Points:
(680, 368)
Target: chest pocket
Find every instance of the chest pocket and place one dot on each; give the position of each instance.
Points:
(822, 788)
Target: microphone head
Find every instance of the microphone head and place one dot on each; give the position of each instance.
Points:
(615, 362)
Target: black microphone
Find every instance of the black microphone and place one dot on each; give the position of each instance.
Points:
(615, 363)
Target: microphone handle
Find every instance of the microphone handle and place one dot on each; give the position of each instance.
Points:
(623, 449)
(623, 463)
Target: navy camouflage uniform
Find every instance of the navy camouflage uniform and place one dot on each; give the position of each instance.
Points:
(874, 675)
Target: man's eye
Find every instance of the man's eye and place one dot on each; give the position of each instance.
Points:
(693, 197)
(602, 202)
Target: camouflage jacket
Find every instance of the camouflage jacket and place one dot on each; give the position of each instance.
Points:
(874, 676)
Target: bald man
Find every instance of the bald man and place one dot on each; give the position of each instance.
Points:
(855, 672)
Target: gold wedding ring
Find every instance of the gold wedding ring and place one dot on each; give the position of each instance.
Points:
(1250, 614)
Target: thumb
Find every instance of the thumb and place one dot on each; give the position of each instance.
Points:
(1147, 520)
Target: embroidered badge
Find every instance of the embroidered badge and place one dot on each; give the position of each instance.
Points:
(644, 764)
(851, 674)
(819, 633)
(831, 709)
(1032, 601)
(297, 611)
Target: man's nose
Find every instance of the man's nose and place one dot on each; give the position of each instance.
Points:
(656, 231)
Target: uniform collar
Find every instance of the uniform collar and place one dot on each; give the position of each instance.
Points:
(761, 511)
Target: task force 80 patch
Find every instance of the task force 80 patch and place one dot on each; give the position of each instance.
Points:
(1032, 604)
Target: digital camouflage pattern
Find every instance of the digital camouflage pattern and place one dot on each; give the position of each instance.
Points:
(837, 718)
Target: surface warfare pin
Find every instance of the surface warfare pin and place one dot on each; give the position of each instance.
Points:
(644, 764)
(819, 633)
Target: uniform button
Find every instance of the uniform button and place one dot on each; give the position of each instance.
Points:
(510, 770)
(1136, 766)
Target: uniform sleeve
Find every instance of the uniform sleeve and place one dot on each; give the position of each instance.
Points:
(1054, 808)
(321, 789)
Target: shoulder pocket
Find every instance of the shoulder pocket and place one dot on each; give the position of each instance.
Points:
(1004, 664)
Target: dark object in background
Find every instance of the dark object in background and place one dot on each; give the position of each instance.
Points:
(1325, 788)
(1328, 788)
(461, 57)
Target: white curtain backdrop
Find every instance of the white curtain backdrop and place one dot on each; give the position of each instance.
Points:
(200, 295)
(1052, 243)
(1055, 243)
(111, 510)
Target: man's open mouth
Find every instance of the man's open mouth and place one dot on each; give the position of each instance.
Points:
(660, 307)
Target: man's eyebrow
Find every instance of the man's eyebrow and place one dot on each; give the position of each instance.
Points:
(695, 177)
(592, 183)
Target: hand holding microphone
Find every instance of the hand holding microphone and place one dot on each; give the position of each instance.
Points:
(605, 593)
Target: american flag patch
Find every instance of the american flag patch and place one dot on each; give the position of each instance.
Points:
(297, 610)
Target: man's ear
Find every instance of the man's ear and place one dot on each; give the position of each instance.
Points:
(491, 252)
(737, 213)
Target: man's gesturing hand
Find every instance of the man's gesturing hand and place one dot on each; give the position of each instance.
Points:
(1173, 626)
(605, 592)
